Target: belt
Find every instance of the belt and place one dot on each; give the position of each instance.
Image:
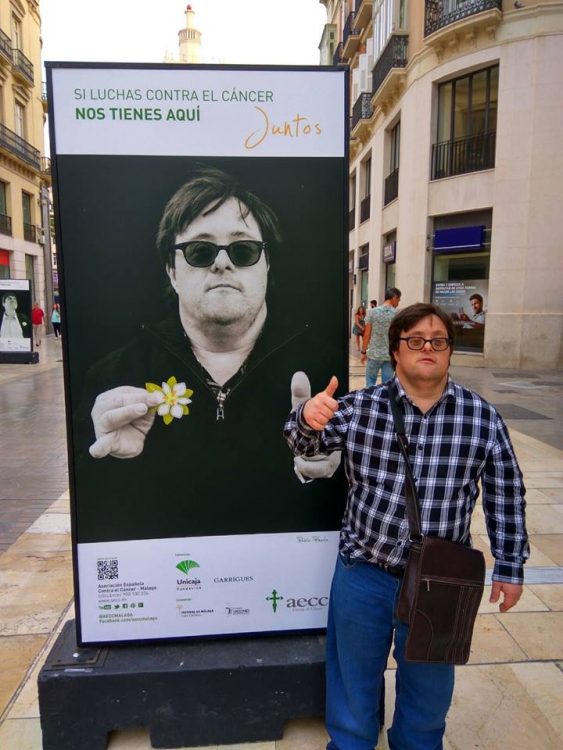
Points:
(394, 570)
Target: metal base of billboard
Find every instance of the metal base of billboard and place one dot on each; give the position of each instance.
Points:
(19, 358)
(187, 694)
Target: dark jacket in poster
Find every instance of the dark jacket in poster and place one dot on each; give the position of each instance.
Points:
(202, 475)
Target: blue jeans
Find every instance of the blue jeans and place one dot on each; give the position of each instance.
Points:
(372, 369)
(361, 621)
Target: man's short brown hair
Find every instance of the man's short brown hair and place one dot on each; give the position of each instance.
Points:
(409, 317)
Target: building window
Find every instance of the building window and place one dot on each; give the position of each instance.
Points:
(389, 258)
(363, 268)
(352, 203)
(467, 124)
(28, 225)
(5, 218)
(365, 188)
(392, 180)
(16, 33)
(19, 120)
(460, 277)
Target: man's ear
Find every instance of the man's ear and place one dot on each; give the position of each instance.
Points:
(172, 276)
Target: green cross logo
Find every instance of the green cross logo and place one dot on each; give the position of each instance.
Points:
(274, 598)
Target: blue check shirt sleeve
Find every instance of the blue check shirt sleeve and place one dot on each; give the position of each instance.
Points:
(504, 506)
(304, 441)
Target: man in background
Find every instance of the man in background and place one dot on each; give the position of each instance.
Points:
(37, 317)
(376, 343)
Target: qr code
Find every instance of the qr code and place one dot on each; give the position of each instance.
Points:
(108, 570)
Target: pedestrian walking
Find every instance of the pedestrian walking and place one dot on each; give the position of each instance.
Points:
(56, 319)
(37, 318)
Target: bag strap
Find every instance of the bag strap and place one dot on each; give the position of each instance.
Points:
(412, 509)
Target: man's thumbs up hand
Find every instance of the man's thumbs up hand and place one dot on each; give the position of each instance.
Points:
(320, 409)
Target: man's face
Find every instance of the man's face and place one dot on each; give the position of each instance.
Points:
(476, 304)
(10, 305)
(221, 294)
(425, 365)
(395, 301)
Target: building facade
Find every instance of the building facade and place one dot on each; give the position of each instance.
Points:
(24, 171)
(456, 165)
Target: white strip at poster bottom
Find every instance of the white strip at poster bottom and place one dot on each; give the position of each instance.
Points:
(198, 586)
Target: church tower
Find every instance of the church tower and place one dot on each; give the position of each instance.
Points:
(190, 39)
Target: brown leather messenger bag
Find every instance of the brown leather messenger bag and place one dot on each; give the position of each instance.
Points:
(442, 585)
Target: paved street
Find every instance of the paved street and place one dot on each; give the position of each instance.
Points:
(506, 697)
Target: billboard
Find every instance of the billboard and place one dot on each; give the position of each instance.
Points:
(200, 217)
(466, 302)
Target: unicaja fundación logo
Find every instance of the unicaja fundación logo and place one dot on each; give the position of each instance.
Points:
(186, 565)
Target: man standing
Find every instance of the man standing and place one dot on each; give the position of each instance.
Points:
(37, 316)
(458, 440)
(375, 344)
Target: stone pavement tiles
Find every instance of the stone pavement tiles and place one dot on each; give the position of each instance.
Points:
(508, 696)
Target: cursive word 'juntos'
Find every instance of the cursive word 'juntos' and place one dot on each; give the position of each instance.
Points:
(297, 127)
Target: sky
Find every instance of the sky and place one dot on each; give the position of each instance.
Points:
(249, 32)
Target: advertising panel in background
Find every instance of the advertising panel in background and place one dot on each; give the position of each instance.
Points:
(15, 315)
(200, 226)
(466, 302)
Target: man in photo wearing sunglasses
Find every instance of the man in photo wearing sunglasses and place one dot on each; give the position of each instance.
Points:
(457, 441)
(215, 240)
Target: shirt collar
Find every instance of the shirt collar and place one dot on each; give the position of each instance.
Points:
(449, 391)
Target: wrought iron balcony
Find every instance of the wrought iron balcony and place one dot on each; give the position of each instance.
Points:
(337, 57)
(5, 224)
(391, 187)
(463, 155)
(29, 232)
(440, 13)
(350, 36)
(393, 56)
(363, 9)
(5, 48)
(22, 65)
(20, 147)
(361, 110)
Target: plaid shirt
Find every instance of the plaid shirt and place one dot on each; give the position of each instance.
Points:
(460, 441)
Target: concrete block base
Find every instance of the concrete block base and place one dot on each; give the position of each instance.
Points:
(213, 692)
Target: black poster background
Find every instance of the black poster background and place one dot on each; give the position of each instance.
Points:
(197, 476)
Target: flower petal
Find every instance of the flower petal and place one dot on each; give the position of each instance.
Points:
(163, 409)
(166, 388)
(152, 387)
(176, 411)
(172, 381)
(189, 392)
(167, 419)
(180, 389)
(185, 410)
(184, 401)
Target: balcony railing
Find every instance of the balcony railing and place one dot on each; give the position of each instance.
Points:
(440, 13)
(29, 232)
(337, 57)
(5, 47)
(393, 56)
(43, 91)
(45, 166)
(349, 29)
(362, 109)
(20, 147)
(391, 187)
(5, 224)
(365, 208)
(22, 65)
(463, 155)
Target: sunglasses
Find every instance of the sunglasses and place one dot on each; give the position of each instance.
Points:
(201, 253)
